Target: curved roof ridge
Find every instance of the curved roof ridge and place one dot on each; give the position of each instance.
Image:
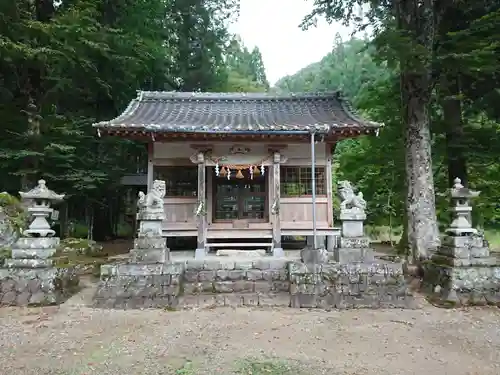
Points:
(178, 95)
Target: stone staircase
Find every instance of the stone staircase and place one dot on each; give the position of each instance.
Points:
(235, 282)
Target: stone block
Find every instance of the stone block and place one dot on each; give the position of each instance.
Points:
(274, 299)
(271, 275)
(230, 275)
(195, 265)
(28, 263)
(354, 242)
(261, 264)
(212, 265)
(41, 286)
(150, 255)
(243, 286)
(460, 262)
(297, 268)
(191, 276)
(150, 243)
(150, 228)
(33, 253)
(253, 275)
(454, 252)
(223, 287)
(139, 269)
(352, 229)
(463, 241)
(352, 215)
(314, 256)
(479, 252)
(350, 255)
(262, 287)
(280, 264)
(29, 243)
(281, 286)
(243, 265)
(204, 276)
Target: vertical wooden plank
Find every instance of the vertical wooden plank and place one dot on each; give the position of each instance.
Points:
(210, 194)
(276, 206)
(202, 197)
(329, 185)
(150, 165)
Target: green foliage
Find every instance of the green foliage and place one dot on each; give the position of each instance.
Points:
(376, 165)
(245, 69)
(65, 65)
(14, 212)
(258, 367)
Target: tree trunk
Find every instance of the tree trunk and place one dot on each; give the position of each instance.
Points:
(452, 114)
(423, 232)
(417, 22)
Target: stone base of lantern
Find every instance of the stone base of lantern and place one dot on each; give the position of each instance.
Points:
(30, 277)
(37, 286)
(462, 272)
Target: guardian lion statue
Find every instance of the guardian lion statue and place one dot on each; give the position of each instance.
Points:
(152, 202)
(349, 200)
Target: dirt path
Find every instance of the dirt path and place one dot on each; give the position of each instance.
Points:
(73, 339)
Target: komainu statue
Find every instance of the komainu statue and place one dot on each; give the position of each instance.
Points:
(349, 200)
(152, 202)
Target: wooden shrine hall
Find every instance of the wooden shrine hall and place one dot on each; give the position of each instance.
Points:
(242, 169)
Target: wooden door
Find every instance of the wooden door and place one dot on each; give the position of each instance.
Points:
(240, 198)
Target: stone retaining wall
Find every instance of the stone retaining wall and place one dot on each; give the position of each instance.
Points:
(462, 286)
(36, 286)
(344, 286)
(263, 282)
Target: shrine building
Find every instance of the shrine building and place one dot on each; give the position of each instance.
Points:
(242, 169)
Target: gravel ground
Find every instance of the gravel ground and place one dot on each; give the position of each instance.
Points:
(74, 339)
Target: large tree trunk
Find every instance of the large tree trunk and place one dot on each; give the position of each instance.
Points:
(452, 114)
(423, 232)
(416, 21)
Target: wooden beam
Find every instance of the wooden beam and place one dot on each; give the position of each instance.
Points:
(329, 185)
(201, 207)
(275, 208)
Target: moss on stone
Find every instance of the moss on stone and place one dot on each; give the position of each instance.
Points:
(81, 246)
(14, 212)
(5, 253)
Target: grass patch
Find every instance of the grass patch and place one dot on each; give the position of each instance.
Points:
(268, 367)
(186, 369)
(493, 237)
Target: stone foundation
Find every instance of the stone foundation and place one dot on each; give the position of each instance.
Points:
(344, 286)
(36, 286)
(262, 282)
(464, 282)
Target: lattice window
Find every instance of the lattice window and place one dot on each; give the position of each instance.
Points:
(179, 181)
(297, 181)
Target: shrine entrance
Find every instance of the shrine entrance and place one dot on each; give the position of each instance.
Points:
(241, 197)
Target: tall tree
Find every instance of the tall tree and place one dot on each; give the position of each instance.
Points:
(411, 41)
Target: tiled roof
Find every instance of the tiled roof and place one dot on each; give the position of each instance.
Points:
(192, 112)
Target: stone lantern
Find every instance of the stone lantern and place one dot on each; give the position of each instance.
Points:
(38, 244)
(461, 210)
(42, 197)
(30, 276)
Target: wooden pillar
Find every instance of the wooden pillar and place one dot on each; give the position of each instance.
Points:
(150, 172)
(329, 185)
(275, 208)
(330, 241)
(201, 217)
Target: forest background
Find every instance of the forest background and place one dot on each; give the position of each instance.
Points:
(65, 65)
